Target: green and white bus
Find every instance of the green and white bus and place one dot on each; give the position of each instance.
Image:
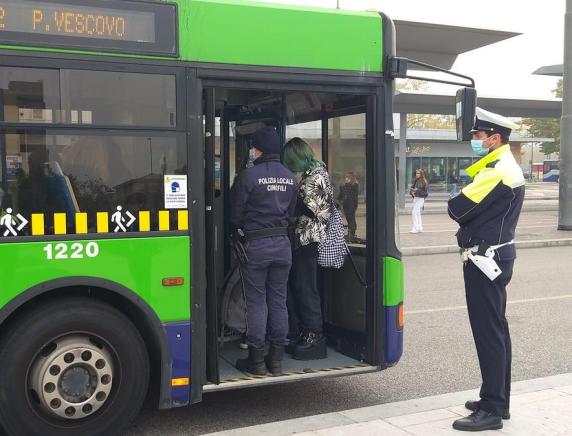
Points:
(122, 126)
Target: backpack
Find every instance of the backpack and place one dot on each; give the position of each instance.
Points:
(233, 305)
(333, 249)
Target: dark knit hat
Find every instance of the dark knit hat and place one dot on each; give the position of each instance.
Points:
(267, 140)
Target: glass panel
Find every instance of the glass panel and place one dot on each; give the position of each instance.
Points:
(413, 164)
(51, 173)
(28, 95)
(464, 163)
(113, 98)
(452, 175)
(437, 173)
(310, 132)
(347, 168)
(87, 97)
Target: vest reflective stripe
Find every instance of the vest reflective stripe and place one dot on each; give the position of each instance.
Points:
(506, 170)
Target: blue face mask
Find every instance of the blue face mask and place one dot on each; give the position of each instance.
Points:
(477, 146)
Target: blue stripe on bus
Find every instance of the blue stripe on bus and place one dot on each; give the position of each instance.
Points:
(393, 336)
(179, 338)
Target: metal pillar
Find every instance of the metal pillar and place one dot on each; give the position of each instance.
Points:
(402, 158)
(565, 195)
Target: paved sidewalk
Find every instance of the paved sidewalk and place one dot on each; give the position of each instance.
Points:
(536, 228)
(538, 407)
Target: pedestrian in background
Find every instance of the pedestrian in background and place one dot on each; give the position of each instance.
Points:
(348, 198)
(487, 211)
(419, 193)
(452, 181)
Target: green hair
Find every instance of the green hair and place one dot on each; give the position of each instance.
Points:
(299, 157)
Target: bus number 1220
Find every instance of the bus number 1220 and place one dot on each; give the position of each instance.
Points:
(61, 251)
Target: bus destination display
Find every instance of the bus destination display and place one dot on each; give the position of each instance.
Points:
(119, 26)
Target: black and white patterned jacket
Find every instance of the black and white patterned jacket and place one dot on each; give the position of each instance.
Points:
(315, 194)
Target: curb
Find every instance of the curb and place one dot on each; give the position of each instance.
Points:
(442, 249)
(525, 208)
(329, 422)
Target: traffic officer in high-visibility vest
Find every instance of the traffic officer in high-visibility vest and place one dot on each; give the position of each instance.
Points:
(487, 211)
(262, 200)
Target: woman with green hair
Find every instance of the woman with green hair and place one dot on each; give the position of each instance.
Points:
(315, 196)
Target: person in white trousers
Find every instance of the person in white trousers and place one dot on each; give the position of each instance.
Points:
(419, 192)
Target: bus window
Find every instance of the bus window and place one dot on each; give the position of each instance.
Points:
(310, 132)
(118, 98)
(89, 173)
(29, 95)
(87, 98)
(347, 165)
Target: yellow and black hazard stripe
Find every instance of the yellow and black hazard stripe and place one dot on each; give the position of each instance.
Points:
(61, 226)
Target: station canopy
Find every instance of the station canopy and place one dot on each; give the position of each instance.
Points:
(418, 103)
(551, 70)
(439, 44)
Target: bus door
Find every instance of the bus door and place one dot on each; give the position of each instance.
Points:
(212, 259)
(228, 135)
(338, 127)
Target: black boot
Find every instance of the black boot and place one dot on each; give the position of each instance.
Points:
(274, 359)
(254, 364)
(291, 347)
(312, 346)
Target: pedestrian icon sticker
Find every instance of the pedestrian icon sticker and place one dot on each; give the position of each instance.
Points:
(119, 220)
(11, 224)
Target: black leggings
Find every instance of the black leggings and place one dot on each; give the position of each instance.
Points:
(304, 303)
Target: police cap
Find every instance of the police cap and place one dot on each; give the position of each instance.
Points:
(493, 123)
(267, 140)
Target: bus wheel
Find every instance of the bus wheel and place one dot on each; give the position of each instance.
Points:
(70, 367)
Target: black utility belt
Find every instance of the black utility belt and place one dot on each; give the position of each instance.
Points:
(266, 233)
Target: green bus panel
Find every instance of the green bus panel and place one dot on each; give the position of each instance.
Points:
(250, 33)
(139, 264)
(241, 32)
(393, 285)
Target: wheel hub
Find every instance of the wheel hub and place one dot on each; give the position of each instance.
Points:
(72, 377)
(77, 383)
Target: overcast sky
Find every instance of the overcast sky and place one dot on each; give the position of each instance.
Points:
(503, 69)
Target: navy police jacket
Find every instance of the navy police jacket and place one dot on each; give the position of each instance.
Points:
(487, 209)
(263, 196)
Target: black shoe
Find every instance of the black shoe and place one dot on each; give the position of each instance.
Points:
(293, 342)
(274, 359)
(312, 346)
(474, 405)
(479, 421)
(254, 363)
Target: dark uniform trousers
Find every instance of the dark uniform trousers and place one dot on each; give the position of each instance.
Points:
(266, 280)
(486, 303)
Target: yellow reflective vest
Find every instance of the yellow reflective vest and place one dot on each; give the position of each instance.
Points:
(488, 208)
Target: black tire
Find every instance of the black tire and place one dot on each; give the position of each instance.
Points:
(33, 336)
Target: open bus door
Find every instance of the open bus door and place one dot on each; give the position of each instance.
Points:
(228, 134)
(211, 233)
(340, 129)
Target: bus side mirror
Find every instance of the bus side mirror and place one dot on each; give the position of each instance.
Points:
(465, 104)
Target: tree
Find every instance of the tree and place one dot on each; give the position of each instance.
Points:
(546, 127)
(559, 90)
(424, 121)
